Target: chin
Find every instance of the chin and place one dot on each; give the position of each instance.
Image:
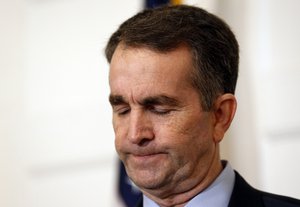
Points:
(148, 185)
(148, 180)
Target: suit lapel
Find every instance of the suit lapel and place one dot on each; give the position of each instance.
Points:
(244, 195)
(140, 202)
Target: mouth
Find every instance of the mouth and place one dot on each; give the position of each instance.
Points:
(146, 158)
(145, 155)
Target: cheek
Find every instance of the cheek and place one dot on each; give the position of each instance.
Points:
(119, 131)
(186, 132)
(119, 146)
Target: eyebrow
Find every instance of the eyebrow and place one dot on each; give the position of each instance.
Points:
(148, 101)
(116, 100)
(160, 100)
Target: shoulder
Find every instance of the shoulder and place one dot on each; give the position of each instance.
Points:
(271, 200)
(245, 195)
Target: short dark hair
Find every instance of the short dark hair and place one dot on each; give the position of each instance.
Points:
(213, 46)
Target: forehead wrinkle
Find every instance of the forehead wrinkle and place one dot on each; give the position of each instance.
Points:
(132, 97)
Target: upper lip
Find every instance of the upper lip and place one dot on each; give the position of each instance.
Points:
(142, 154)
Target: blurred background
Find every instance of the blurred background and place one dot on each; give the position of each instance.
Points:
(56, 138)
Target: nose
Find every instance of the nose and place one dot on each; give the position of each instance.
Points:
(140, 130)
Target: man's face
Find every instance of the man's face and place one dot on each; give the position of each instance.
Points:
(162, 134)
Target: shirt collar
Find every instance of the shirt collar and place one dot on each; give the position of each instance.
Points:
(216, 195)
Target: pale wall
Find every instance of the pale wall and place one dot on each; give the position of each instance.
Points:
(56, 142)
(264, 141)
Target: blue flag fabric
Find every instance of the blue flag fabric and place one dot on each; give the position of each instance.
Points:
(129, 193)
(155, 3)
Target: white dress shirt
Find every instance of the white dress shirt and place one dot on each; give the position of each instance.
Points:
(216, 195)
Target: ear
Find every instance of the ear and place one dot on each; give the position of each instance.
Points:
(224, 110)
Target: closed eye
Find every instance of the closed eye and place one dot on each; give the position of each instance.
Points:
(121, 111)
(159, 110)
(119, 105)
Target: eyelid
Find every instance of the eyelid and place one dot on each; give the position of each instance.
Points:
(121, 109)
(160, 110)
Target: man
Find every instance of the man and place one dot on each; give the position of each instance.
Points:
(173, 72)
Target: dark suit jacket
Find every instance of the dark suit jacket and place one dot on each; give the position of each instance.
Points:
(243, 195)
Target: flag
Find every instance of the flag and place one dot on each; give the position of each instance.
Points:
(129, 193)
(157, 3)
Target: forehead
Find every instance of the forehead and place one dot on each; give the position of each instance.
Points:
(137, 60)
(145, 70)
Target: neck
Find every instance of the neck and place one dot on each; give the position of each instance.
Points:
(181, 196)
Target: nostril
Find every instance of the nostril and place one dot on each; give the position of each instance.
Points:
(144, 142)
